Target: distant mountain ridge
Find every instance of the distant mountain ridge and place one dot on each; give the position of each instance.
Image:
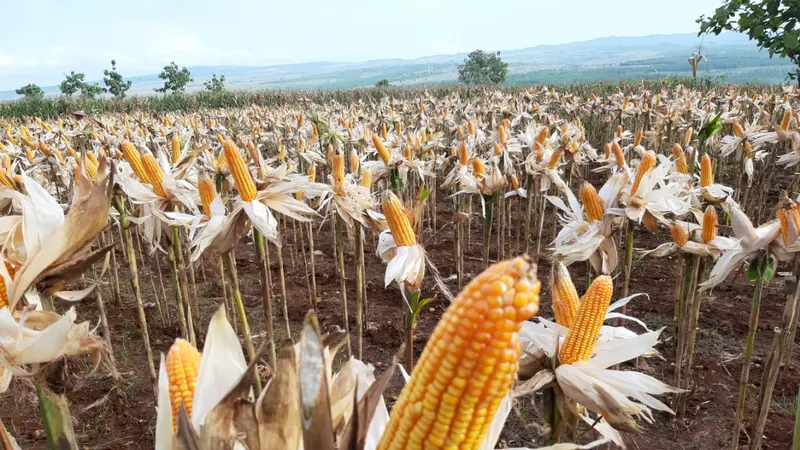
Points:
(732, 58)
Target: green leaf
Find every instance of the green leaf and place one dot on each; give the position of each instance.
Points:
(790, 41)
(768, 268)
(424, 194)
(753, 272)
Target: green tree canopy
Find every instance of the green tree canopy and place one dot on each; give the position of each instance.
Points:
(175, 78)
(771, 23)
(483, 68)
(30, 91)
(114, 82)
(72, 83)
(382, 84)
(215, 84)
(91, 90)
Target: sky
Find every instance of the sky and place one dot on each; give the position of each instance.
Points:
(43, 39)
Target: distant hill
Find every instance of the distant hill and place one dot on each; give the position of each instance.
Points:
(732, 58)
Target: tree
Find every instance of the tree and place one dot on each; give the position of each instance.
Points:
(215, 84)
(30, 91)
(114, 82)
(175, 79)
(72, 83)
(771, 23)
(483, 68)
(382, 84)
(92, 90)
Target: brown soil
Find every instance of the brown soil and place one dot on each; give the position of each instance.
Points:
(110, 418)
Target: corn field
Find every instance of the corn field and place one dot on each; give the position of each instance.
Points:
(592, 266)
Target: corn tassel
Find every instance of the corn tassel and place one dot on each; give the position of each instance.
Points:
(583, 334)
(468, 365)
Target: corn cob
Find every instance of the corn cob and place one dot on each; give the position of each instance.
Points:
(407, 154)
(637, 138)
(244, 181)
(468, 365)
(366, 179)
(3, 292)
(591, 202)
(618, 132)
(5, 180)
(208, 192)
(607, 150)
(501, 136)
(679, 235)
(514, 182)
(384, 131)
(555, 158)
(585, 330)
(738, 131)
(565, 296)
(478, 168)
(619, 157)
(337, 170)
(688, 137)
(748, 150)
(471, 128)
(155, 176)
(787, 120)
(355, 163)
(183, 362)
(398, 221)
(463, 154)
(788, 212)
(709, 224)
(133, 158)
(706, 173)
(645, 165)
(176, 148)
(680, 159)
(44, 148)
(381, 149)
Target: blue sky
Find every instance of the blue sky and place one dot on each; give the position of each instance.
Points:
(42, 39)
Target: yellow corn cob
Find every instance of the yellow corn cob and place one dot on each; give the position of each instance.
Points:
(541, 136)
(381, 149)
(688, 137)
(463, 154)
(501, 135)
(478, 168)
(650, 222)
(398, 221)
(397, 128)
(384, 131)
(3, 291)
(133, 158)
(607, 150)
(645, 165)
(498, 149)
(176, 148)
(208, 192)
(637, 139)
(680, 159)
(738, 131)
(471, 128)
(155, 176)
(44, 149)
(787, 120)
(709, 224)
(354, 162)
(585, 330)
(5, 180)
(407, 154)
(29, 154)
(619, 157)
(514, 182)
(366, 179)
(337, 170)
(468, 365)
(788, 211)
(706, 173)
(281, 151)
(565, 296)
(679, 235)
(748, 150)
(183, 362)
(244, 181)
(90, 156)
(591, 202)
(618, 133)
(555, 158)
